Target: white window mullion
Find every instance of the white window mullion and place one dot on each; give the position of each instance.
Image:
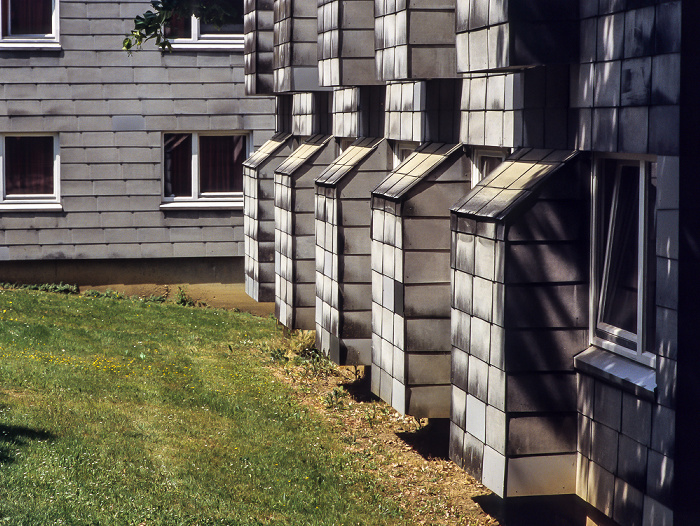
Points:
(195, 166)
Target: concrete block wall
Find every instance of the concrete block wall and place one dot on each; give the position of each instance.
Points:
(346, 42)
(109, 111)
(311, 113)
(258, 27)
(411, 280)
(411, 41)
(343, 273)
(522, 109)
(295, 268)
(405, 111)
(259, 215)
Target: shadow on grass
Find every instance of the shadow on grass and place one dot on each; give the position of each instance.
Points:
(12, 437)
(430, 441)
(359, 389)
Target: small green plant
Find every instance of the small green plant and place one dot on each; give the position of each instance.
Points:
(335, 398)
(279, 355)
(109, 293)
(181, 298)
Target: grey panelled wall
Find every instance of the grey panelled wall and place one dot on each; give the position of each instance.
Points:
(343, 271)
(411, 280)
(109, 111)
(519, 315)
(259, 215)
(295, 46)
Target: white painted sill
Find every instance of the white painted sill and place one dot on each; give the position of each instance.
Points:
(202, 204)
(11, 45)
(31, 207)
(627, 374)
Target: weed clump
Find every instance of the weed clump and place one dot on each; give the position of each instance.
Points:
(59, 288)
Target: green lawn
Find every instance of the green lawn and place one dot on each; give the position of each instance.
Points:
(127, 412)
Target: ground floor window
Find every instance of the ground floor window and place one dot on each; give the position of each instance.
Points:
(200, 167)
(30, 169)
(624, 255)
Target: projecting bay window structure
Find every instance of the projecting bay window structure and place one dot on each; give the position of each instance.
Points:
(623, 263)
(32, 24)
(519, 315)
(201, 170)
(295, 247)
(30, 167)
(259, 215)
(411, 279)
(343, 272)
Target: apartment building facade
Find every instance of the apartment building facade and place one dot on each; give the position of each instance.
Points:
(122, 169)
(528, 260)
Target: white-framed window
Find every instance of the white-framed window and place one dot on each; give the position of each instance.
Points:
(29, 24)
(30, 167)
(401, 151)
(623, 270)
(203, 170)
(484, 162)
(191, 33)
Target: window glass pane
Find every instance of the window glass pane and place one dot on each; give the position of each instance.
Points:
(226, 29)
(619, 301)
(30, 17)
(221, 163)
(29, 165)
(178, 165)
(179, 27)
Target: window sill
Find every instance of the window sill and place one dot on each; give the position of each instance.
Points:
(202, 45)
(233, 204)
(10, 45)
(31, 207)
(618, 370)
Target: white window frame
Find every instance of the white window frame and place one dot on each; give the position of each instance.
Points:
(32, 202)
(601, 257)
(402, 150)
(477, 155)
(223, 41)
(49, 41)
(199, 200)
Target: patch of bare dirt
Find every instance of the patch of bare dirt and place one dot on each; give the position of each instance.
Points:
(409, 456)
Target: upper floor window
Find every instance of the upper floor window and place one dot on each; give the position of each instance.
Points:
(192, 33)
(30, 172)
(29, 23)
(203, 170)
(624, 257)
(484, 162)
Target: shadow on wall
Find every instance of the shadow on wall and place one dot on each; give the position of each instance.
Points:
(216, 281)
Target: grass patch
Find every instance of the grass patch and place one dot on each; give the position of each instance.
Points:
(117, 411)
